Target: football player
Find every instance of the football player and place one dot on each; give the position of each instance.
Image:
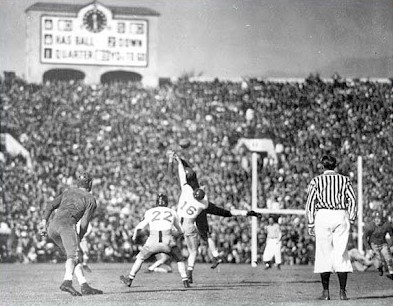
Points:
(374, 238)
(161, 220)
(74, 204)
(201, 220)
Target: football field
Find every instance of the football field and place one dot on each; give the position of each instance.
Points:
(229, 284)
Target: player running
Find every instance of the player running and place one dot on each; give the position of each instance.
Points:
(74, 204)
(161, 220)
(374, 238)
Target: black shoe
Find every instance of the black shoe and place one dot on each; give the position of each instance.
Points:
(216, 262)
(87, 290)
(189, 275)
(126, 280)
(325, 296)
(86, 268)
(343, 295)
(186, 283)
(380, 271)
(390, 276)
(67, 287)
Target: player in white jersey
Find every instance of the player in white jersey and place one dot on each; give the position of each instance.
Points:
(273, 244)
(191, 203)
(161, 220)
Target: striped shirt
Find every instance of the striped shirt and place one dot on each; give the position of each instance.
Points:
(330, 190)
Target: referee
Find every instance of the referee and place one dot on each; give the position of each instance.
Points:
(331, 208)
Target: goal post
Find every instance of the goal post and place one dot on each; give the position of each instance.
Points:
(254, 207)
(257, 146)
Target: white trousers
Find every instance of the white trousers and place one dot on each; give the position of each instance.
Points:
(331, 239)
(272, 249)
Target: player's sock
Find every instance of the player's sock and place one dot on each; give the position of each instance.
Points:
(136, 266)
(189, 274)
(182, 269)
(69, 269)
(212, 247)
(79, 274)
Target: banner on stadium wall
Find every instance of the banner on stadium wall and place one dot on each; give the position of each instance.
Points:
(93, 37)
(14, 148)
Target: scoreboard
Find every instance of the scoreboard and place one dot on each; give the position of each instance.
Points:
(93, 37)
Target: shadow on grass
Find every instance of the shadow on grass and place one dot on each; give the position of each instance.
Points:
(372, 297)
(171, 290)
(283, 282)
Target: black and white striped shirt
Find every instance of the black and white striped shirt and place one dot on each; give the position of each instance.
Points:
(330, 190)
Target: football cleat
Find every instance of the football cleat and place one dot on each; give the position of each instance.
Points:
(189, 275)
(216, 262)
(126, 280)
(186, 283)
(343, 295)
(325, 295)
(87, 290)
(67, 287)
(149, 271)
(380, 271)
(390, 276)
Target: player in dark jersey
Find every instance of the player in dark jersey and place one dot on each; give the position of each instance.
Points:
(202, 222)
(374, 238)
(74, 204)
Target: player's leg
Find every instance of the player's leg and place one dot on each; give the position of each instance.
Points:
(268, 253)
(176, 254)
(70, 240)
(192, 246)
(203, 230)
(378, 257)
(161, 259)
(53, 233)
(144, 254)
(277, 255)
(388, 259)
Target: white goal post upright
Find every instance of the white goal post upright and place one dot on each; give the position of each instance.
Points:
(360, 204)
(254, 206)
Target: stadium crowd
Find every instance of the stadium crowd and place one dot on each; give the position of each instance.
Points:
(120, 133)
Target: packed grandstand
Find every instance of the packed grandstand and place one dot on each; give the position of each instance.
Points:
(120, 132)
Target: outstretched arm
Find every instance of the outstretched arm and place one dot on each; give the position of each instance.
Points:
(181, 170)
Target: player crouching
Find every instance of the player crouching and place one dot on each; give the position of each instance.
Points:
(160, 219)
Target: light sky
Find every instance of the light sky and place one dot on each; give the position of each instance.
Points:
(233, 38)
